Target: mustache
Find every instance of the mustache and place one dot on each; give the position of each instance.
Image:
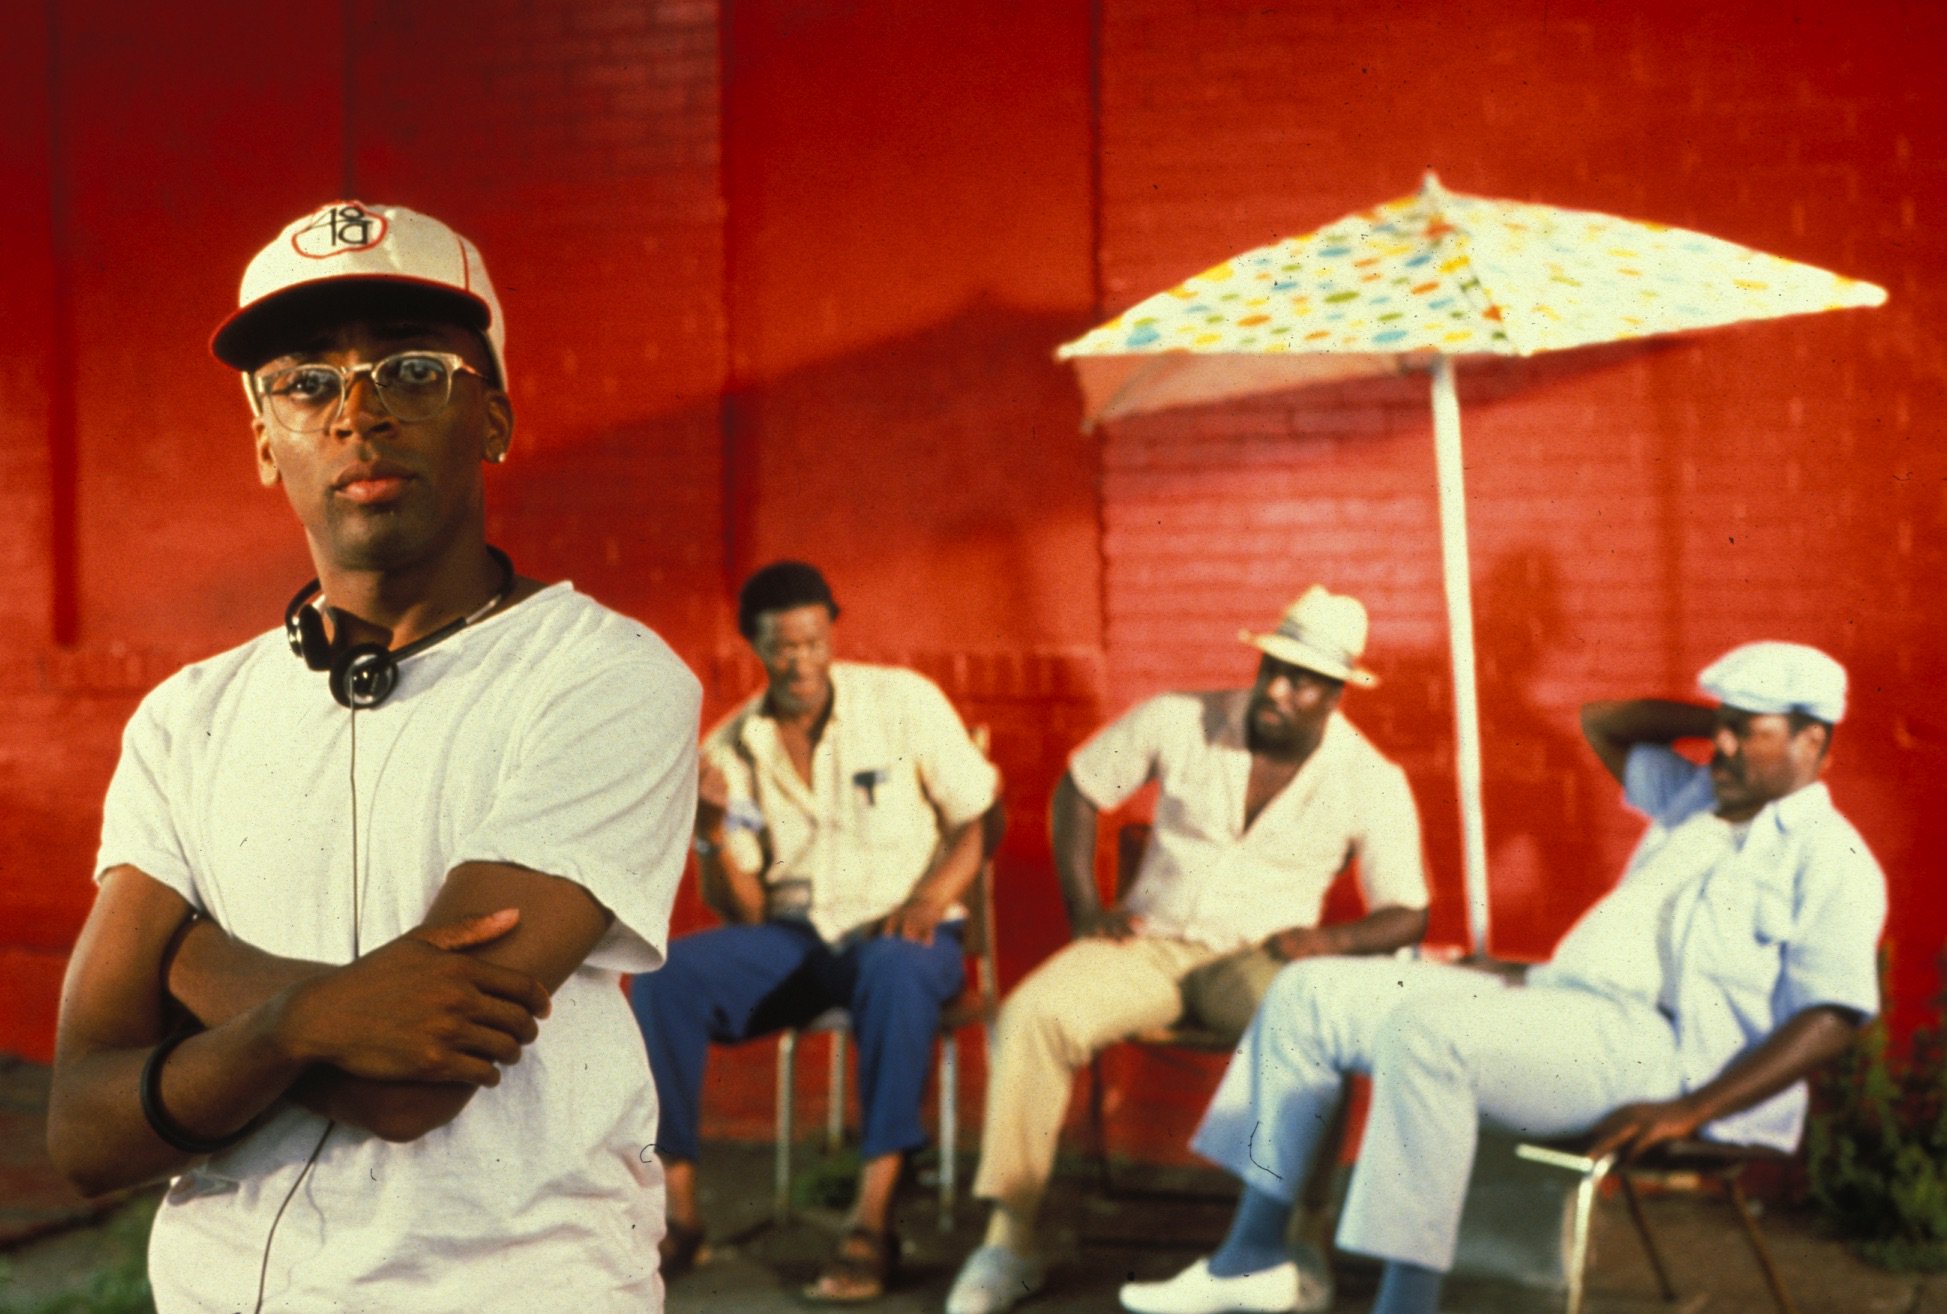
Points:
(1735, 770)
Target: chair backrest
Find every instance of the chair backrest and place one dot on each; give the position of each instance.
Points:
(1130, 842)
(979, 936)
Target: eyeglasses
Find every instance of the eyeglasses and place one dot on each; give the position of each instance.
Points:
(412, 385)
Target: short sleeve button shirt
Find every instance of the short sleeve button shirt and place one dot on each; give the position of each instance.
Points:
(1208, 879)
(893, 768)
(1732, 934)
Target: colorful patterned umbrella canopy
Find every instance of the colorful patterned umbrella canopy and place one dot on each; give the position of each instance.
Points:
(1411, 284)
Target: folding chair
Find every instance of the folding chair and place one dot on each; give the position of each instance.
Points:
(1721, 1164)
(977, 1003)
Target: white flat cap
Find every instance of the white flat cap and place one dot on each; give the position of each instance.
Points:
(1778, 677)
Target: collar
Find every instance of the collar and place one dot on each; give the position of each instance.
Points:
(1797, 808)
(758, 709)
(1231, 734)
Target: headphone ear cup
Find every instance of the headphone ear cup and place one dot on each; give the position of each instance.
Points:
(304, 630)
(363, 676)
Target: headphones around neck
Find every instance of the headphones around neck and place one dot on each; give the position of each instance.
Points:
(363, 675)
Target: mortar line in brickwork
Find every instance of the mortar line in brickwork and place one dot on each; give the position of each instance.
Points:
(1099, 434)
(348, 100)
(63, 446)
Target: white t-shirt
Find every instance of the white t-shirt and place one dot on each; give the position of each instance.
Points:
(558, 736)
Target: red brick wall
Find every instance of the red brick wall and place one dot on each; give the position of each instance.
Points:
(788, 284)
(1634, 510)
(575, 143)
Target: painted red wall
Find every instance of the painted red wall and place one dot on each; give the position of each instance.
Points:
(786, 280)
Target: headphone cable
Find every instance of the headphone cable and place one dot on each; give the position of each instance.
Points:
(263, 1269)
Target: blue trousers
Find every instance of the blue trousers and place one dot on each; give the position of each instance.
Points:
(735, 983)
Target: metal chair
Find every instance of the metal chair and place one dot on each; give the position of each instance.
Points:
(977, 1003)
(1721, 1164)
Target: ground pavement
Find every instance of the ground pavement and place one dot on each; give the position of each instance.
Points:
(53, 1243)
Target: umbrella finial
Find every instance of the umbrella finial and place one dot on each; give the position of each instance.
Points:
(1430, 185)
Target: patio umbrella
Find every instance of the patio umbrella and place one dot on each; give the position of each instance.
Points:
(1410, 285)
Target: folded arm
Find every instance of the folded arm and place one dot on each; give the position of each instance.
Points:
(411, 1010)
(1614, 728)
(550, 925)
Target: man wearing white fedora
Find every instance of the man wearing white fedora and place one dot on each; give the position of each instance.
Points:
(1265, 795)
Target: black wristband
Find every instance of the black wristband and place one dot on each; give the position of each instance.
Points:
(165, 1127)
(172, 948)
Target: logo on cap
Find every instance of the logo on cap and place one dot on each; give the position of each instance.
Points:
(338, 230)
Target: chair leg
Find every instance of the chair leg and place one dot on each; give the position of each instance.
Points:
(787, 1071)
(1098, 1122)
(1759, 1249)
(1578, 1251)
(949, 1126)
(835, 1112)
(1664, 1286)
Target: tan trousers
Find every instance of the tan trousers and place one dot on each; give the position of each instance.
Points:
(1086, 997)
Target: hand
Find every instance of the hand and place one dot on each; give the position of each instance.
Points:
(1295, 942)
(712, 796)
(415, 1010)
(1634, 1128)
(1115, 923)
(913, 920)
(1512, 973)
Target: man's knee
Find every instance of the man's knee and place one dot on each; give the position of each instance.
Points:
(1421, 1038)
(898, 969)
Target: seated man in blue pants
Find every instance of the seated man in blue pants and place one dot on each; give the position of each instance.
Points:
(1735, 955)
(842, 812)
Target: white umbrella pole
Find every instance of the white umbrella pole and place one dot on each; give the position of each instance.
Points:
(1460, 637)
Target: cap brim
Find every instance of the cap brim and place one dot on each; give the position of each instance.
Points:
(1294, 653)
(272, 325)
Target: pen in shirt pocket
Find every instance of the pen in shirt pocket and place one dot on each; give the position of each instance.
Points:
(869, 782)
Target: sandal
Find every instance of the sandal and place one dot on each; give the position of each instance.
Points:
(682, 1248)
(866, 1264)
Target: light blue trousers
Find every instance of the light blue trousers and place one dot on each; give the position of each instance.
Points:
(1445, 1047)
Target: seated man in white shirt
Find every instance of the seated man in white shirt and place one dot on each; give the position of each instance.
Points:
(1735, 955)
(1265, 795)
(842, 812)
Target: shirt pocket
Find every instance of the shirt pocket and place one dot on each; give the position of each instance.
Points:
(882, 799)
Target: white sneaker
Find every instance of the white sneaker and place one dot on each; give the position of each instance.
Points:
(993, 1279)
(1196, 1290)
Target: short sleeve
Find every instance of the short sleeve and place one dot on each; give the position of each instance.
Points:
(138, 826)
(1832, 957)
(959, 780)
(600, 789)
(1120, 758)
(1392, 863)
(1664, 785)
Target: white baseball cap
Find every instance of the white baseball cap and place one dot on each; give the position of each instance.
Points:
(1778, 677)
(346, 243)
(1322, 631)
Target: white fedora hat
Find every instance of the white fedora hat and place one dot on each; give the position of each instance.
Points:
(1322, 631)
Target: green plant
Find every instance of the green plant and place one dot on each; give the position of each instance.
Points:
(1878, 1147)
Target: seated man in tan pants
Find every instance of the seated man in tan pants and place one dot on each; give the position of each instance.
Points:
(1265, 794)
